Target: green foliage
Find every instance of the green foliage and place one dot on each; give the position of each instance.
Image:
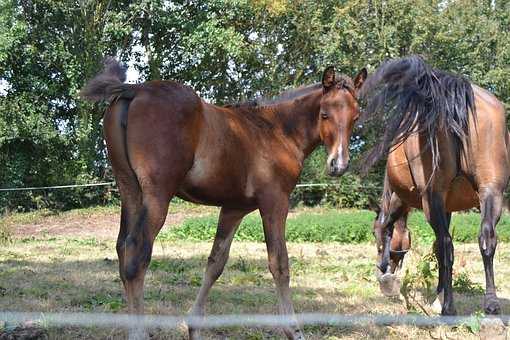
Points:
(5, 233)
(463, 284)
(420, 279)
(344, 226)
(227, 50)
(474, 324)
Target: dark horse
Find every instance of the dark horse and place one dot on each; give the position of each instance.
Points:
(165, 141)
(449, 151)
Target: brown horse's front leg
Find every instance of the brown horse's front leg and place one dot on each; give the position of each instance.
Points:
(491, 201)
(227, 225)
(273, 210)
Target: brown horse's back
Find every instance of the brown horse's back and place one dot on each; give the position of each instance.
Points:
(487, 159)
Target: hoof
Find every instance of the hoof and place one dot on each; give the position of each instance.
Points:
(194, 334)
(448, 310)
(438, 303)
(491, 304)
(389, 285)
(294, 334)
(138, 334)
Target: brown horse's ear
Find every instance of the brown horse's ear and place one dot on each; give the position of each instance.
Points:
(360, 78)
(328, 78)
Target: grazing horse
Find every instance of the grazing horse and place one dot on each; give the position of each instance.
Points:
(163, 141)
(449, 151)
(401, 237)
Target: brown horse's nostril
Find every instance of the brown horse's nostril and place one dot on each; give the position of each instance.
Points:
(332, 164)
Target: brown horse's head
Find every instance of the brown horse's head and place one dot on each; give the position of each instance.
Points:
(400, 240)
(338, 112)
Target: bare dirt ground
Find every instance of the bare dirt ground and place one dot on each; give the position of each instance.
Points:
(100, 223)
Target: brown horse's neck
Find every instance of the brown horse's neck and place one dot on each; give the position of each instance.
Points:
(297, 123)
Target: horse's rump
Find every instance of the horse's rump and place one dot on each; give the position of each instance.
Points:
(407, 96)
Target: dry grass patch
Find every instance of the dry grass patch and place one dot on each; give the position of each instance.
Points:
(67, 274)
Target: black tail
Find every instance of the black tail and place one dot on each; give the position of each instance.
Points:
(108, 84)
(407, 96)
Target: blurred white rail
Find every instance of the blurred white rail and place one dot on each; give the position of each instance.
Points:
(110, 320)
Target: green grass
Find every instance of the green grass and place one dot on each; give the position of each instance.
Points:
(343, 226)
(54, 269)
(332, 226)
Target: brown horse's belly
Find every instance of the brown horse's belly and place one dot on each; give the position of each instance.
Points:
(208, 184)
(460, 196)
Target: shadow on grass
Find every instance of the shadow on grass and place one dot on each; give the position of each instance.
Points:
(171, 286)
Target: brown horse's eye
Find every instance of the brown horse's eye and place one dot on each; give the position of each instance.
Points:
(324, 115)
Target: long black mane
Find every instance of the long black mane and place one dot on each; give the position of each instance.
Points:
(406, 96)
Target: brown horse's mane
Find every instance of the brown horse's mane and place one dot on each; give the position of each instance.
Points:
(342, 80)
(281, 98)
(254, 110)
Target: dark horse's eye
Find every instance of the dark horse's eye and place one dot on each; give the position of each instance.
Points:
(324, 115)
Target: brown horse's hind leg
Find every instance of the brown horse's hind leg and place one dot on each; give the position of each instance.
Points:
(274, 212)
(491, 201)
(228, 222)
(434, 210)
(134, 247)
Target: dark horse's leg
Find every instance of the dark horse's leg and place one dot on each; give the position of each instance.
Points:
(227, 225)
(274, 209)
(434, 209)
(395, 211)
(491, 201)
(439, 258)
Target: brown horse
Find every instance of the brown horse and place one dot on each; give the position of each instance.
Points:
(164, 141)
(450, 152)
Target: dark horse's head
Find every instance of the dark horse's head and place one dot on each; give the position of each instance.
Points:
(399, 246)
(400, 240)
(338, 111)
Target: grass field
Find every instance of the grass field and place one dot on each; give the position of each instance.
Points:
(67, 262)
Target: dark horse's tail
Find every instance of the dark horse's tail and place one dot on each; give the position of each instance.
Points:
(407, 96)
(109, 84)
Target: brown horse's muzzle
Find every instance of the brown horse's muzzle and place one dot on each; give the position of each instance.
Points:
(337, 168)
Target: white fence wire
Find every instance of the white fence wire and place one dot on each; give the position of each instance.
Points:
(110, 320)
(72, 186)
